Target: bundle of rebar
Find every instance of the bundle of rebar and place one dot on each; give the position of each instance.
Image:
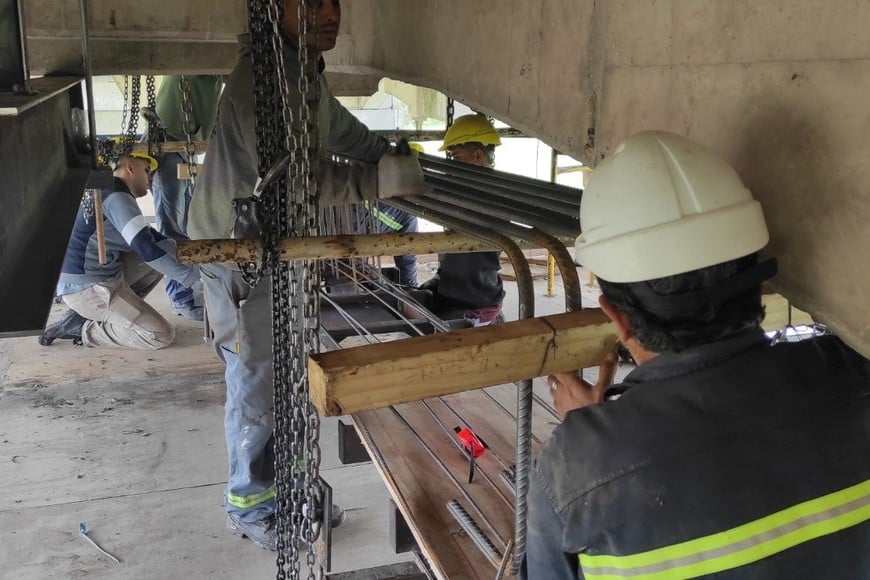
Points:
(508, 203)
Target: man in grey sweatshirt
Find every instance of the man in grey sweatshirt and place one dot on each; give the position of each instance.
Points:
(240, 315)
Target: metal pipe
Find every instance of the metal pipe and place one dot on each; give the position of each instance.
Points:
(480, 539)
(518, 260)
(558, 225)
(476, 173)
(519, 210)
(89, 82)
(483, 211)
(570, 278)
(471, 187)
(524, 390)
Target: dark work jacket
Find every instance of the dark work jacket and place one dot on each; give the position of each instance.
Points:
(469, 280)
(704, 442)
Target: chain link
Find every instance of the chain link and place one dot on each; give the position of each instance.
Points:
(156, 134)
(289, 208)
(189, 128)
(129, 136)
(450, 112)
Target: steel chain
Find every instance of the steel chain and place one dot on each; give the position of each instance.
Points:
(133, 125)
(189, 128)
(155, 133)
(286, 210)
(124, 108)
(450, 112)
(309, 90)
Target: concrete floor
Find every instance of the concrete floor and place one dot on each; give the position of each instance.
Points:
(132, 444)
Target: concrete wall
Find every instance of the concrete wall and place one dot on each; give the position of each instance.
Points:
(778, 86)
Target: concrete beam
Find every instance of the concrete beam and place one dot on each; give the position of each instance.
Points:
(778, 86)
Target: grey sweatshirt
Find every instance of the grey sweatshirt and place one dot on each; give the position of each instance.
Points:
(230, 169)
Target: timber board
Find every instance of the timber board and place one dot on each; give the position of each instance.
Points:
(414, 447)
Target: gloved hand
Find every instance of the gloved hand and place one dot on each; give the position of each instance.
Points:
(400, 175)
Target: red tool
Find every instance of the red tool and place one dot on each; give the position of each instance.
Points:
(473, 445)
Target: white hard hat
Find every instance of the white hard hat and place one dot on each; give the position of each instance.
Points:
(662, 205)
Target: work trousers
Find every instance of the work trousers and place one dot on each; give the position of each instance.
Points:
(118, 316)
(171, 205)
(240, 317)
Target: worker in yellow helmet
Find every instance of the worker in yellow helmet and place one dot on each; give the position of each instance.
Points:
(721, 455)
(468, 285)
(107, 301)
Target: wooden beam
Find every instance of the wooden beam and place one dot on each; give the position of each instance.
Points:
(776, 313)
(182, 170)
(315, 247)
(378, 375)
(171, 147)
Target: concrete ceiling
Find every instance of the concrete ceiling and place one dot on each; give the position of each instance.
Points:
(778, 86)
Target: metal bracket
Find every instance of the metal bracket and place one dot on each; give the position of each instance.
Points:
(350, 447)
(400, 533)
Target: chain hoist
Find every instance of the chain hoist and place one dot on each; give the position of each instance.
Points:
(289, 208)
(189, 129)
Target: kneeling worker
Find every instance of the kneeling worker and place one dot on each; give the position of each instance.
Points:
(107, 301)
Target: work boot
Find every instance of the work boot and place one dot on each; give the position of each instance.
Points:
(263, 533)
(189, 311)
(69, 327)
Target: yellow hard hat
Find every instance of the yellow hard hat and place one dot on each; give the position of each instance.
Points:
(470, 129)
(416, 147)
(152, 163)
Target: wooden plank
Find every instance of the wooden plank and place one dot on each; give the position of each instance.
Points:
(499, 456)
(491, 510)
(377, 375)
(413, 477)
(776, 313)
(182, 170)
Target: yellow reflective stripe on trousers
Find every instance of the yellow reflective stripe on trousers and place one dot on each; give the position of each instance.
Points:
(741, 545)
(249, 501)
(386, 219)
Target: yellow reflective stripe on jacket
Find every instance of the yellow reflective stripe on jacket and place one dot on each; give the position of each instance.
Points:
(741, 545)
(249, 501)
(386, 219)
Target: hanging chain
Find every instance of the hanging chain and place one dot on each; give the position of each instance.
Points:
(286, 206)
(189, 128)
(125, 106)
(133, 126)
(450, 112)
(156, 133)
(307, 171)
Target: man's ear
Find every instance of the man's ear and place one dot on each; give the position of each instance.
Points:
(619, 318)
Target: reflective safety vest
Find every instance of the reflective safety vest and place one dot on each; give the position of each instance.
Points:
(736, 459)
(741, 545)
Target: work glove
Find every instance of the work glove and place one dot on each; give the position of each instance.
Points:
(400, 175)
